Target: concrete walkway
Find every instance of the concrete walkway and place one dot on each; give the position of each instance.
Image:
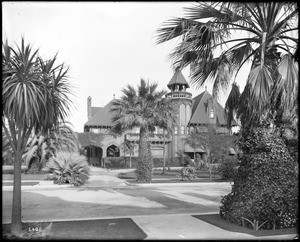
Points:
(160, 226)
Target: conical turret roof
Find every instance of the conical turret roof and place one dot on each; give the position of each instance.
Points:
(178, 78)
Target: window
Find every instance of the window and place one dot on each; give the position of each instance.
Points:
(182, 129)
(175, 130)
(187, 130)
(211, 113)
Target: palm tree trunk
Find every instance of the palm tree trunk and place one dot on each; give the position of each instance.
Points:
(144, 166)
(164, 150)
(130, 158)
(263, 47)
(16, 222)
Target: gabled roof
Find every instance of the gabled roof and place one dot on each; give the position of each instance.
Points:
(200, 115)
(103, 117)
(178, 78)
(95, 110)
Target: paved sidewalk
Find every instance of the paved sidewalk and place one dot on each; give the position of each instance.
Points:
(164, 226)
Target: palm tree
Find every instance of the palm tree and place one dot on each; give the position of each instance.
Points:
(139, 108)
(7, 151)
(35, 97)
(43, 146)
(219, 38)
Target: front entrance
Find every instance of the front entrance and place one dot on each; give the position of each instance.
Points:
(94, 154)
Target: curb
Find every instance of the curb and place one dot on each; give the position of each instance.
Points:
(178, 184)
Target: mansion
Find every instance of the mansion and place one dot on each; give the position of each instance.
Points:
(199, 111)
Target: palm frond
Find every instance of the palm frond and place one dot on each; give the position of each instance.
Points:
(232, 104)
(261, 83)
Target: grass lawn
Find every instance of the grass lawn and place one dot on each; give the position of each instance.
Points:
(215, 219)
(119, 228)
(172, 177)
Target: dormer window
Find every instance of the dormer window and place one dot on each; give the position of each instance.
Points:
(211, 113)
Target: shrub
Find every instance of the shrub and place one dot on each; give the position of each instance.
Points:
(265, 189)
(115, 162)
(228, 169)
(68, 167)
(186, 161)
(158, 162)
(187, 173)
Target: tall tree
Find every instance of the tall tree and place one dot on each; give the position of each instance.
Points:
(35, 97)
(140, 108)
(219, 38)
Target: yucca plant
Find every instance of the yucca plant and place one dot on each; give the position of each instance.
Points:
(36, 96)
(68, 167)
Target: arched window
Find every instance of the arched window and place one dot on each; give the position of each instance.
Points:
(113, 151)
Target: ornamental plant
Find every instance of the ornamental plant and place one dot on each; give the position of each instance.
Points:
(265, 190)
(69, 168)
(187, 173)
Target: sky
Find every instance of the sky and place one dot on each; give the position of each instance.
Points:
(107, 45)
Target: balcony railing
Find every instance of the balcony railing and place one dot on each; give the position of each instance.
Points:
(152, 138)
(178, 94)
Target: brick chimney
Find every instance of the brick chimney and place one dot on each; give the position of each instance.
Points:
(89, 107)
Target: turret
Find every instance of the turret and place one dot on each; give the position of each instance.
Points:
(178, 86)
(182, 100)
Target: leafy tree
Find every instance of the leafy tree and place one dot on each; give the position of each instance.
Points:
(266, 185)
(35, 97)
(195, 140)
(129, 147)
(219, 38)
(216, 145)
(140, 108)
